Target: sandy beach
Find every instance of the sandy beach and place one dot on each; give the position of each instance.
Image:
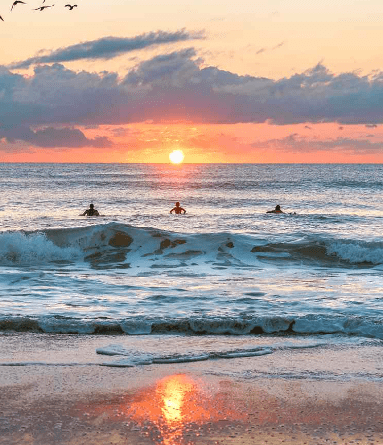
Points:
(55, 400)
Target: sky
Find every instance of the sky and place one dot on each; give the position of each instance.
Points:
(228, 82)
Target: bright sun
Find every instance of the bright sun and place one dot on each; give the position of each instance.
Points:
(176, 156)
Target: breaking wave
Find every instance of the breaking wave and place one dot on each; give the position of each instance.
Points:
(309, 324)
(23, 248)
(121, 245)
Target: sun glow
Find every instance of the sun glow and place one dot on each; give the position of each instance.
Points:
(170, 410)
(176, 156)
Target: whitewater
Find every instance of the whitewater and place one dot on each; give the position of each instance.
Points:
(236, 280)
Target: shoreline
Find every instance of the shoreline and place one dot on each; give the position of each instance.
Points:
(203, 403)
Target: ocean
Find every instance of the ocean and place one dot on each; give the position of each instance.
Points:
(224, 281)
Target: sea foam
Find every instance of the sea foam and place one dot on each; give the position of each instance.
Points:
(117, 243)
(227, 326)
(23, 248)
(357, 251)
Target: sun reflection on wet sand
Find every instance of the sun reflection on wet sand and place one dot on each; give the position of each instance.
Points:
(174, 403)
(171, 409)
(184, 410)
(174, 392)
(181, 409)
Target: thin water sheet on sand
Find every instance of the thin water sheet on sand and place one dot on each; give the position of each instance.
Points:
(224, 402)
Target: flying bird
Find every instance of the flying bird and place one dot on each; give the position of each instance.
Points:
(71, 7)
(1, 18)
(16, 2)
(41, 8)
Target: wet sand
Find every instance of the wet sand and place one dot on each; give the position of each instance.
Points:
(182, 404)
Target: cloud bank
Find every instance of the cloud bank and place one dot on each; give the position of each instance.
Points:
(52, 137)
(108, 47)
(177, 87)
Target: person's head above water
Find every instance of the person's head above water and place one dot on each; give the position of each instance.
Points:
(91, 211)
(276, 210)
(177, 209)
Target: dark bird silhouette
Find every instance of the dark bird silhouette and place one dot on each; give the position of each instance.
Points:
(1, 18)
(41, 8)
(16, 2)
(71, 7)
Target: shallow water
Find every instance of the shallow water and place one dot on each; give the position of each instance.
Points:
(224, 268)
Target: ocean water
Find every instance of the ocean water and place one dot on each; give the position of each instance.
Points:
(225, 280)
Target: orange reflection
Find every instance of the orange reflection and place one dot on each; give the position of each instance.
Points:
(173, 407)
(174, 403)
(173, 393)
(178, 408)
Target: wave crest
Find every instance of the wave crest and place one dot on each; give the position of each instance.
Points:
(23, 248)
(120, 245)
(311, 324)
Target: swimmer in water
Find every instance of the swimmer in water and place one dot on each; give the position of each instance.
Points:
(177, 209)
(91, 211)
(276, 210)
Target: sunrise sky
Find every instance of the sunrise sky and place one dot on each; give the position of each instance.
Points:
(131, 81)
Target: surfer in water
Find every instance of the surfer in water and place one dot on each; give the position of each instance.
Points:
(178, 209)
(276, 210)
(91, 211)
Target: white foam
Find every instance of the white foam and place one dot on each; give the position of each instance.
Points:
(135, 358)
(54, 325)
(245, 353)
(357, 251)
(345, 325)
(202, 250)
(131, 357)
(22, 248)
(148, 251)
(181, 358)
(315, 324)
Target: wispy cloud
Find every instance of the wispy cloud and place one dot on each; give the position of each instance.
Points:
(262, 50)
(108, 47)
(278, 46)
(295, 143)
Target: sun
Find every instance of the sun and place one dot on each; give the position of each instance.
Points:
(176, 156)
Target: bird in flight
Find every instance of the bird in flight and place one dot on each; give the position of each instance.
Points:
(41, 8)
(1, 18)
(71, 7)
(16, 2)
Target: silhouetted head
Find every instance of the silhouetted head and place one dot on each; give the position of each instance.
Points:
(91, 206)
(278, 207)
(177, 204)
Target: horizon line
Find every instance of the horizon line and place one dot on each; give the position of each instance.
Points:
(194, 163)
